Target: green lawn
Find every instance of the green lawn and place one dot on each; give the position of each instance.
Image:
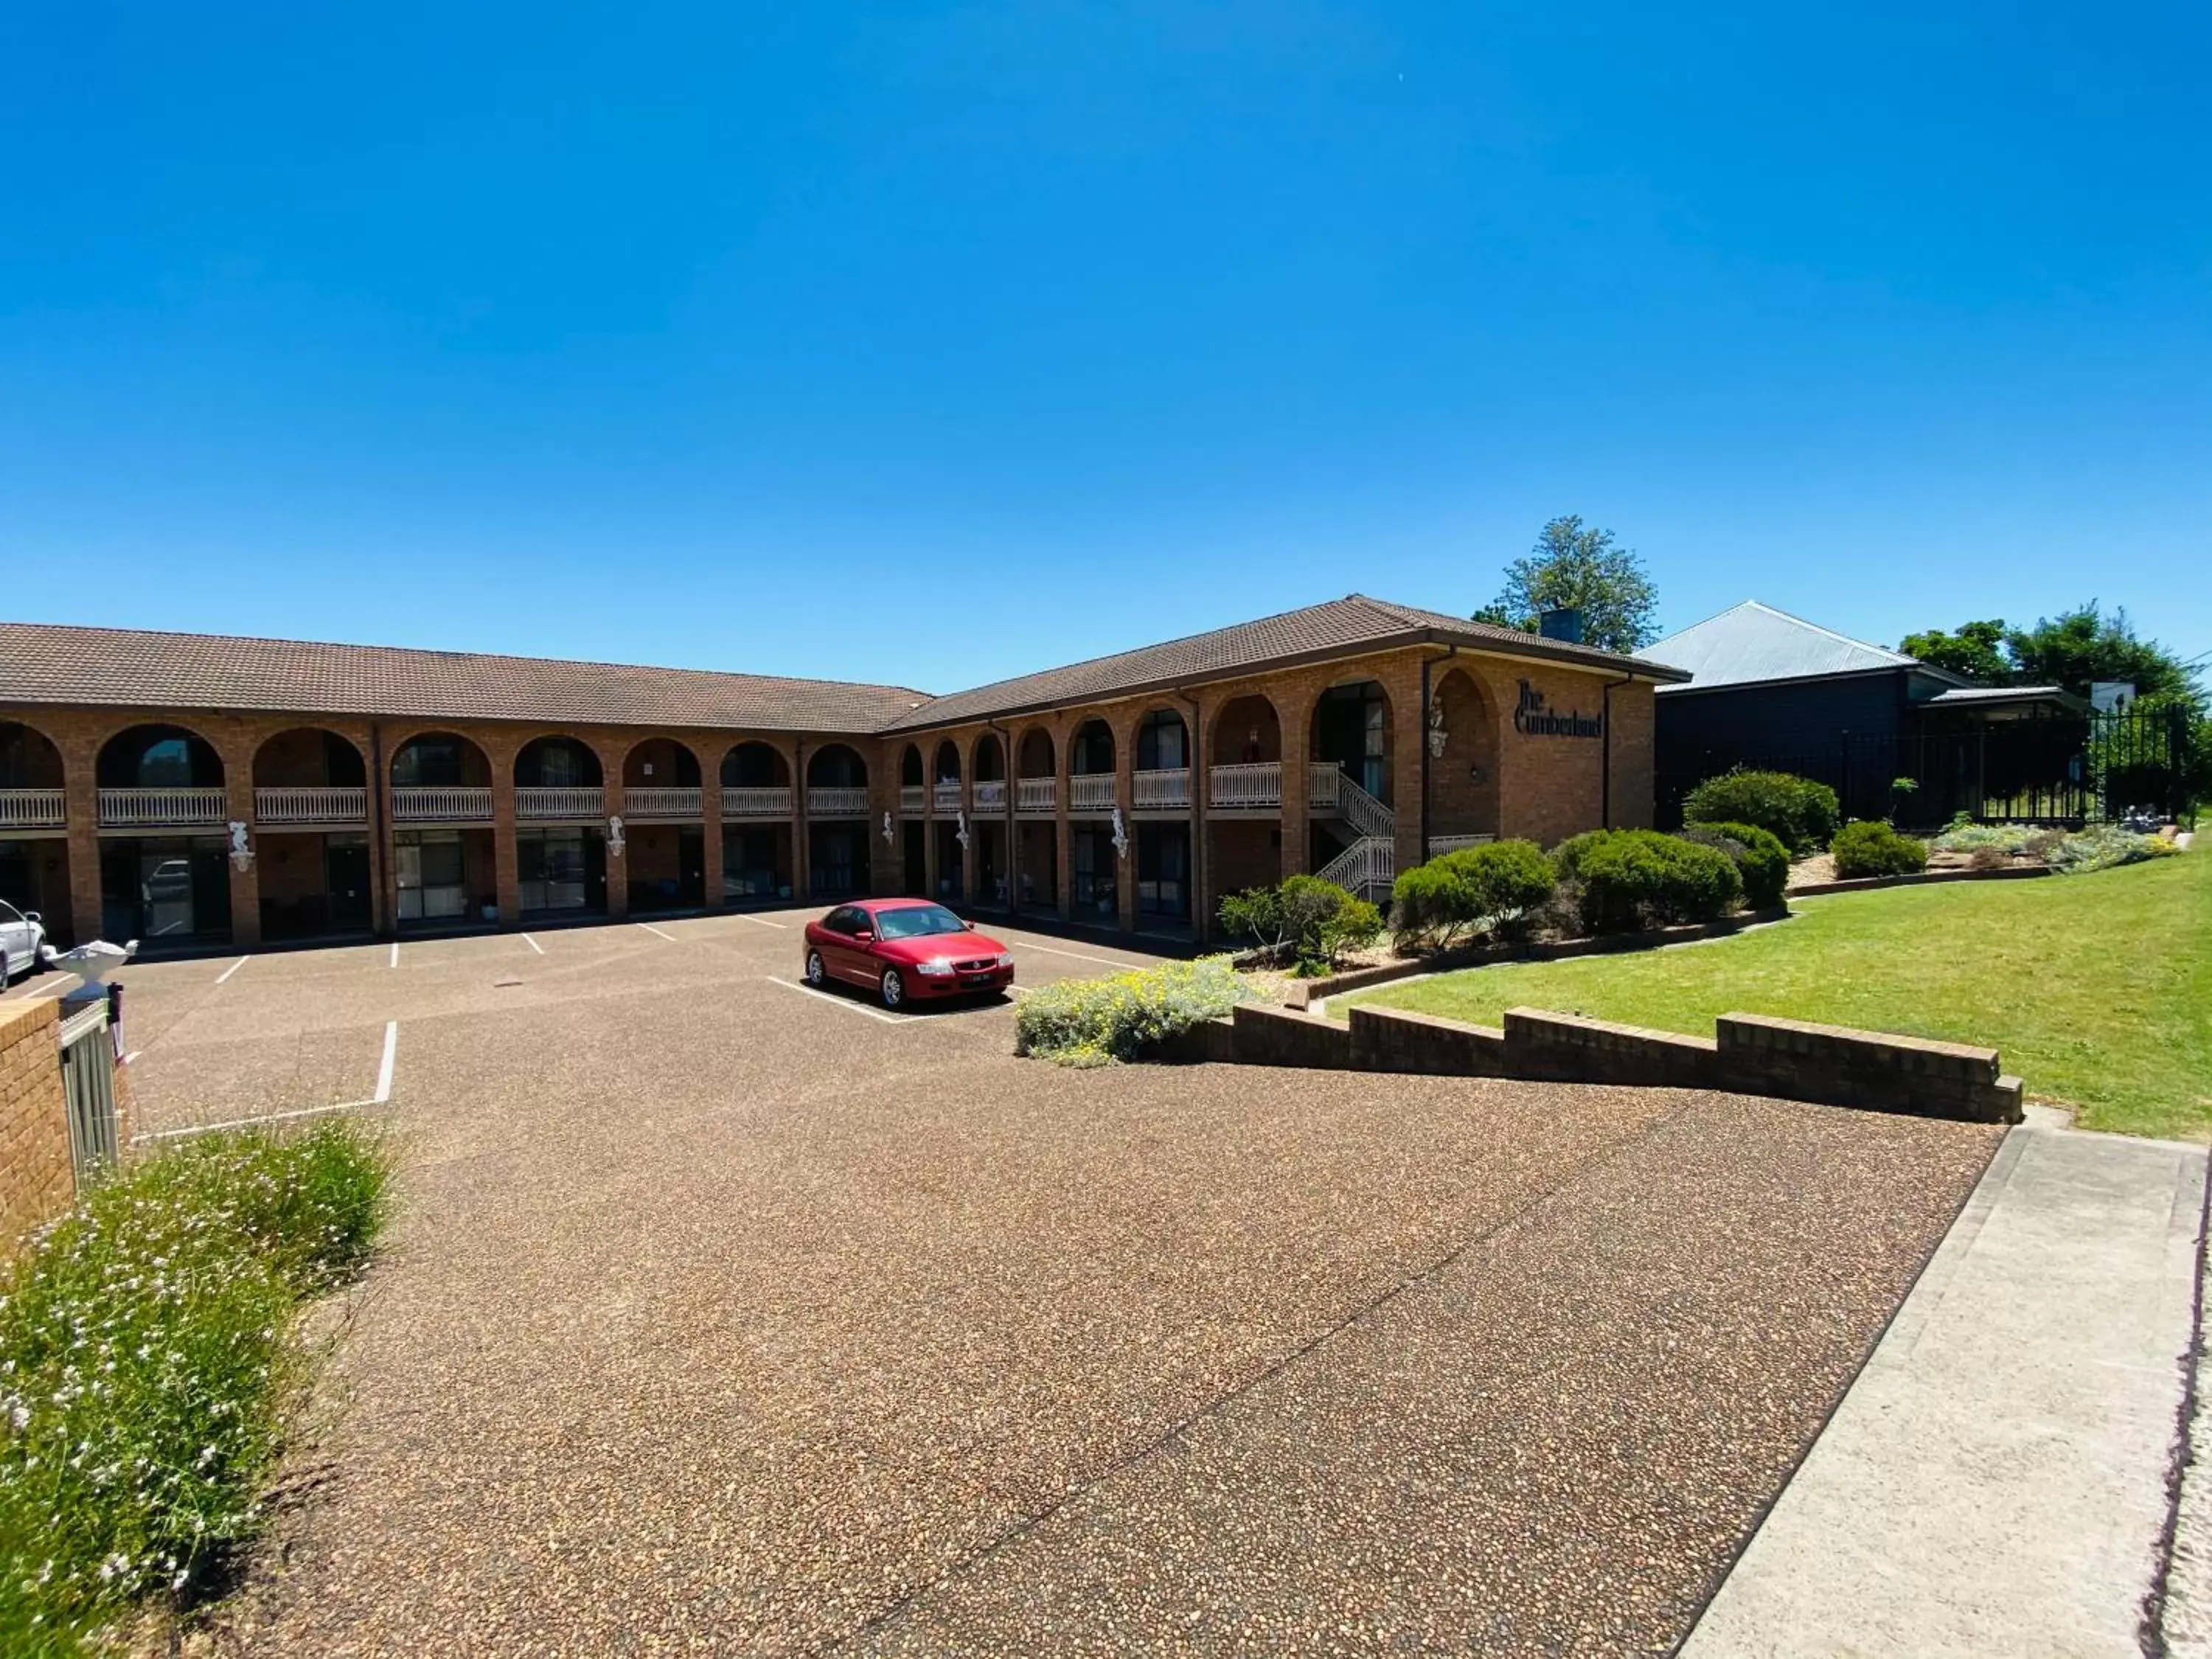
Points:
(2097, 989)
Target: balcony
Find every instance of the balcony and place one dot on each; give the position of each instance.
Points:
(32, 809)
(1321, 778)
(825, 801)
(991, 796)
(756, 801)
(1166, 789)
(662, 802)
(1037, 797)
(160, 809)
(914, 800)
(1091, 792)
(1440, 845)
(945, 797)
(1252, 784)
(441, 804)
(311, 806)
(537, 805)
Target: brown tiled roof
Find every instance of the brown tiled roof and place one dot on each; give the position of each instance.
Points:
(43, 664)
(1338, 628)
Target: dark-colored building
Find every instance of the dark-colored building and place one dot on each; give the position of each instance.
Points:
(1770, 691)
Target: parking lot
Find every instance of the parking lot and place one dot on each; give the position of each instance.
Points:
(725, 1316)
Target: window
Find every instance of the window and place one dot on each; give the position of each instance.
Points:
(1095, 871)
(1163, 870)
(919, 922)
(555, 870)
(1160, 742)
(432, 873)
(1093, 750)
(428, 764)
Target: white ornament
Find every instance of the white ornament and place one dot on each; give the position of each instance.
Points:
(887, 828)
(614, 838)
(241, 853)
(960, 834)
(1436, 732)
(1120, 836)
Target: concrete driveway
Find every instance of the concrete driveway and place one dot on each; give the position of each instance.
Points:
(721, 1317)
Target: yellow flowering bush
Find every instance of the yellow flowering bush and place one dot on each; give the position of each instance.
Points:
(1098, 1022)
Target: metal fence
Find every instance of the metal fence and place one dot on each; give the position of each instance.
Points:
(2033, 771)
(88, 1087)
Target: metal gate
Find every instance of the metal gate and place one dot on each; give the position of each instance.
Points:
(88, 1084)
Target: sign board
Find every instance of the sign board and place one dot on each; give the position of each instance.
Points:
(1531, 718)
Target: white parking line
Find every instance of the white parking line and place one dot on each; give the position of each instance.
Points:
(650, 928)
(839, 1002)
(233, 969)
(381, 1098)
(1076, 955)
(759, 921)
(395, 953)
(534, 945)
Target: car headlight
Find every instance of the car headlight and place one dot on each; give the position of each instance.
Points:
(1005, 958)
(936, 968)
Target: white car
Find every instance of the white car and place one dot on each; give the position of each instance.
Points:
(22, 937)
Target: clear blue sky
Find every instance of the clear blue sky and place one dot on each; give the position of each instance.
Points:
(936, 342)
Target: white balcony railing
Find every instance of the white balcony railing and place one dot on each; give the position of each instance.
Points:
(1165, 786)
(1091, 792)
(946, 796)
(441, 804)
(339, 805)
(160, 808)
(1040, 795)
(662, 801)
(913, 799)
(539, 803)
(32, 809)
(757, 800)
(1322, 779)
(1440, 845)
(1251, 783)
(837, 801)
(991, 795)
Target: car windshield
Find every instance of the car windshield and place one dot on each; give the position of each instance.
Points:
(914, 923)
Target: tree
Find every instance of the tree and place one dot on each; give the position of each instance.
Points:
(1976, 650)
(2082, 646)
(1572, 565)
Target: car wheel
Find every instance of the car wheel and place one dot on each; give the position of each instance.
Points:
(817, 975)
(894, 989)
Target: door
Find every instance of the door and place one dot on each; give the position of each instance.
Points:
(345, 867)
(841, 951)
(165, 886)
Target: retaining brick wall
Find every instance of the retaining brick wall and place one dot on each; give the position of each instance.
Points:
(36, 1181)
(1749, 1054)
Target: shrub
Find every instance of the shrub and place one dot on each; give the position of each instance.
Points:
(1760, 858)
(1963, 835)
(1494, 886)
(2103, 846)
(1641, 878)
(1801, 814)
(1311, 920)
(1871, 847)
(146, 1362)
(1096, 1022)
(1567, 856)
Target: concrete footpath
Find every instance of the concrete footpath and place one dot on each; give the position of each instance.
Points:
(1998, 1479)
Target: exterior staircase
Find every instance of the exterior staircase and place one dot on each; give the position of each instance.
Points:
(1369, 866)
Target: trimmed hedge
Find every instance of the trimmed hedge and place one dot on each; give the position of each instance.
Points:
(1314, 921)
(1632, 878)
(1801, 814)
(1098, 1022)
(1492, 887)
(1760, 858)
(1871, 847)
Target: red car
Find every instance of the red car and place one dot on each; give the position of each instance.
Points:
(903, 949)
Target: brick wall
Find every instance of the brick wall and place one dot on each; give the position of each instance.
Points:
(37, 1182)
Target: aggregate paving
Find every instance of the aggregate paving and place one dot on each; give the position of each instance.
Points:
(722, 1318)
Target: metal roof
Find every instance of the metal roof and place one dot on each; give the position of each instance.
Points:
(1751, 643)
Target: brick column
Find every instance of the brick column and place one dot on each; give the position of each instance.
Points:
(710, 830)
(1408, 747)
(81, 810)
(1295, 715)
(801, 877)
(244, 884)
(506, 863)
(1201, 916)
(1125, 797)
(618, 868)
